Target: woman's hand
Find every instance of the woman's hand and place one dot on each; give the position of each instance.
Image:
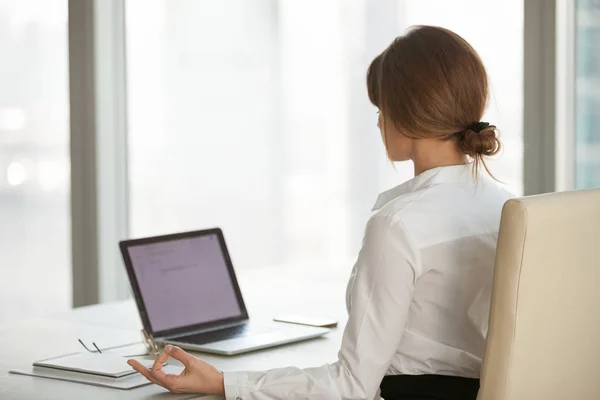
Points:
(197, 377)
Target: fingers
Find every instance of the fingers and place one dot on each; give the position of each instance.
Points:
(186, 358)
(157, 376)
(137, 366)
(142, 370)
(159, 362)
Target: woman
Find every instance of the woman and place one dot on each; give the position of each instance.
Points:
(419, 294)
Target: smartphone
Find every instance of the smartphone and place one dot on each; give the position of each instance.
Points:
(309, 321)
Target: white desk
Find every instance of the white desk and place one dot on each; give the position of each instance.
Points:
(267, 293)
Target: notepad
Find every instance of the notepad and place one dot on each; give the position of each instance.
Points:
(106, 365)
(126, 383)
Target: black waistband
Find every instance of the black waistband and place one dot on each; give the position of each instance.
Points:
(429, 387)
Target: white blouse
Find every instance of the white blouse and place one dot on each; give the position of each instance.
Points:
(418, 297)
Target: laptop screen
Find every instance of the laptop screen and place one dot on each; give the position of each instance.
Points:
(184, 282)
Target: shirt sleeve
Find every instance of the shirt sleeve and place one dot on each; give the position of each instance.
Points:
(386, 273)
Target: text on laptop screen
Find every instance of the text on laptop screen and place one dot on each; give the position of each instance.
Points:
(184, 282)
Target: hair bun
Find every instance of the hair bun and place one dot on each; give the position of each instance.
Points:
(477, 144)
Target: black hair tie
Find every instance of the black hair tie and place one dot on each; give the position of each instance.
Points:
(476, 127)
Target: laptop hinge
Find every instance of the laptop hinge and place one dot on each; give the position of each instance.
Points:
(211, 329)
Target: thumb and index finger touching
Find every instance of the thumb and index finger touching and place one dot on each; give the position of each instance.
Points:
(180, 355)
(170, 351)
(157, 375)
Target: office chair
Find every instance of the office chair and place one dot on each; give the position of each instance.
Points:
(544, 335)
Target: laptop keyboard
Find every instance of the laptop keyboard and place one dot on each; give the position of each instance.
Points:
(221, 334)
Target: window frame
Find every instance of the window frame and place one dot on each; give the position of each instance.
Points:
(99, 195)
(565, 95)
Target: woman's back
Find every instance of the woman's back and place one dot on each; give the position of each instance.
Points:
(453, 222)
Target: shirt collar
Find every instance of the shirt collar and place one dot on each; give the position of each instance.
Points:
(431, 177)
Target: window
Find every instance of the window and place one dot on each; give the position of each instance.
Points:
(587, 94)
(34, 159)
(254, 117)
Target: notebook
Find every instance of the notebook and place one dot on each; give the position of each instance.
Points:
(107, 365)
(104, 370)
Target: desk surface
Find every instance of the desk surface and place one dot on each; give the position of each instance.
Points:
(267, 293)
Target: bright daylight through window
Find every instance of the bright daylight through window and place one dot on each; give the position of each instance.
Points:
(253, 116)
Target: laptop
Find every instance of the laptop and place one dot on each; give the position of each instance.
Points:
(188, 295)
